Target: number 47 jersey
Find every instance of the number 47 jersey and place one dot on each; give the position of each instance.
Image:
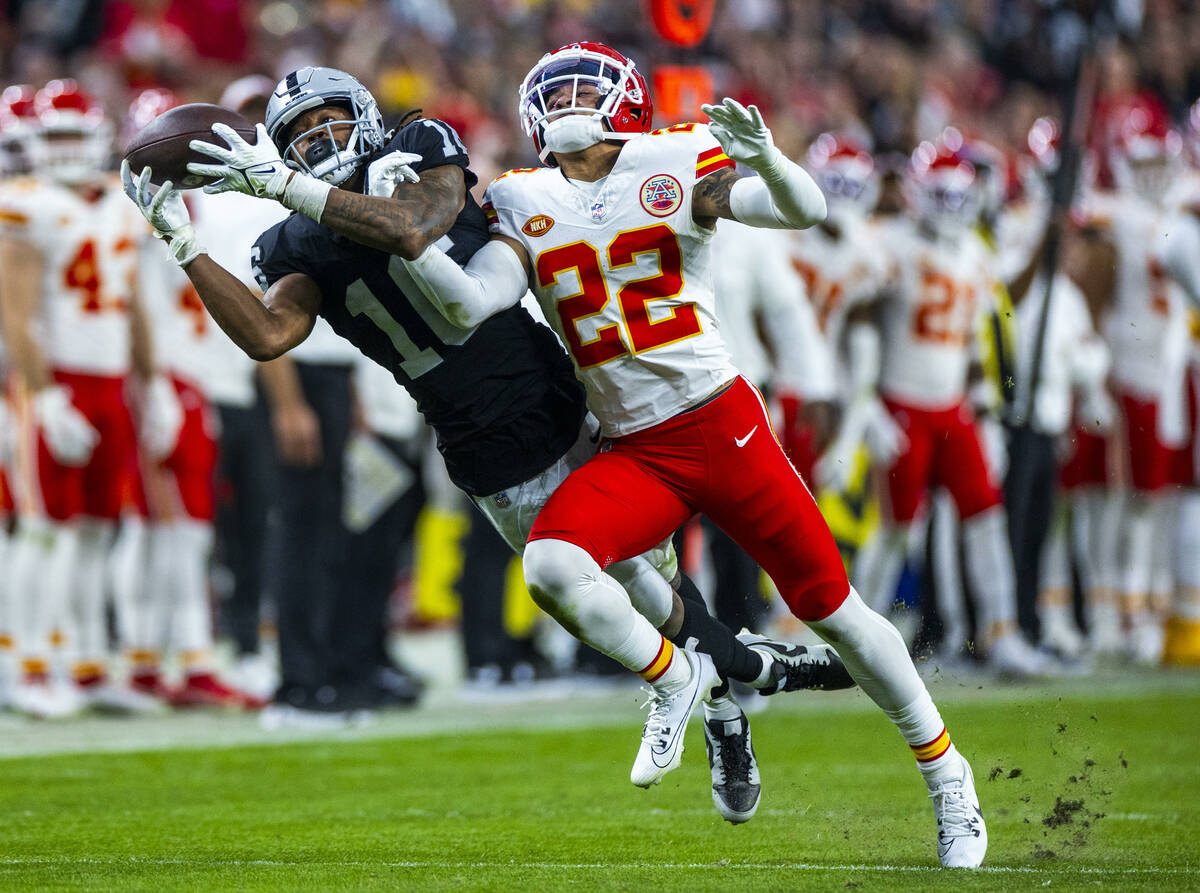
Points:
(622, 272)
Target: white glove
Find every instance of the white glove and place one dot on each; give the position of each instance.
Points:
(866, 420)
(1097, 411)
(384, 174)
(69, 436)
(165, 210)
(886, 440)
(744, 136)
(162, 419)
(257, 169)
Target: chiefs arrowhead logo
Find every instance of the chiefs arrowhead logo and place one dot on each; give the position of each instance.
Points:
(538, 225)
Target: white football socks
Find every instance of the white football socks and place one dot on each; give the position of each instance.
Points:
(876, 657)
(568, 584)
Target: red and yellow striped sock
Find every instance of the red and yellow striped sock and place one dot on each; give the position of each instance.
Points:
(87, 672)
(653, 671)
(927, 753)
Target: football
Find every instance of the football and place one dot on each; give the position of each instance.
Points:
(163, 144)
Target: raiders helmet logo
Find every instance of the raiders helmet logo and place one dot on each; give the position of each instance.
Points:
(662, 195)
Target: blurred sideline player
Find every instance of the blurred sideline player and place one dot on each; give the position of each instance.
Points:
(909, 370)
(229, 225)
(177, 474)
(16, 117)
(500, 395)
(841, 266)
(1146, 329)
(1072, 404)
(624, 276)
(1181, 256)
(74, 331)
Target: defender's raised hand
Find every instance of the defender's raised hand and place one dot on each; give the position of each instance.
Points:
(742, 134)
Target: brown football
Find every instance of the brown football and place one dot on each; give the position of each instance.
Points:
(163, 144)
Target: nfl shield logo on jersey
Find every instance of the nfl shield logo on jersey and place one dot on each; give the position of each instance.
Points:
(598, 210)
(501, 499)
(662, 195)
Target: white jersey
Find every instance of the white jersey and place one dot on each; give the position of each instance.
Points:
(623, 274)
(228, 225)
(839, 271)
(1073, 356)
(756, 286)
(1146, 327)
(936, 292)
(88, 247)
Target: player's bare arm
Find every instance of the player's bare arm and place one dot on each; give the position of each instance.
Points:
(20, 279)
(415, 216)
(401, 221)
(264, 328)
(710, 199)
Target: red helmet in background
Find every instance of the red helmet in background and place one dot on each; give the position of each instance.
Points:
(940, 187)
(845, 170)
(18, 121)
(1145, 153)
(74, 138)
(991, 171)
(144, 108)
(551, 90)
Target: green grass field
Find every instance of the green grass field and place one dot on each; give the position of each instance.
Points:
(1089, 784)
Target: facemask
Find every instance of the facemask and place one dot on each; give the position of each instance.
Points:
(573, 133)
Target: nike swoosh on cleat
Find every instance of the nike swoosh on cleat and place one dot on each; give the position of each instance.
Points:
(741, 441)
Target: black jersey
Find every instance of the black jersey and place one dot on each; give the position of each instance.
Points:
(502, 397)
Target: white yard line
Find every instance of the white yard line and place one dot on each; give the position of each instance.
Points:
(582, 866)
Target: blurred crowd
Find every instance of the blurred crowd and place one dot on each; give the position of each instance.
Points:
(1032, 530)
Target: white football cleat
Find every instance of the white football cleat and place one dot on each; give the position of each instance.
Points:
(1146, 641)
(962, 834)
(42, 699)
(662, 736)
(111, 697)
(1060, 636)
(1010, 655)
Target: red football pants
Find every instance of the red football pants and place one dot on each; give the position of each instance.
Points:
(721, 459)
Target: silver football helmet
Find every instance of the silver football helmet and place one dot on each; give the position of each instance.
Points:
(312, 87)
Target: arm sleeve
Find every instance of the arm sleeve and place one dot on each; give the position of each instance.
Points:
(783, 197)
(493, 280)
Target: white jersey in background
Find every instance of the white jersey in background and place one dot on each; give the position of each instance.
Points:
(651, 347)
(89, 254)
(1073, 355)
(756, 287)
(839, 271)
(1146, 326)
(936, 291)
(228, 225)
